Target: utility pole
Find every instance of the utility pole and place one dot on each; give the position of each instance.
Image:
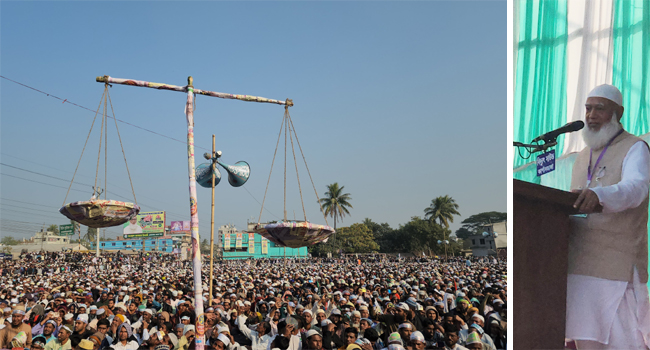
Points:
(214, 166)
(194, 218)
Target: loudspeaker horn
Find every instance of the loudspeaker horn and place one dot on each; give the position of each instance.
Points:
(204, 175)
(238, 173)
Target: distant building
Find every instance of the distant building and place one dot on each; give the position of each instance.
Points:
(484, 245)
(46, 237)
(165, 245)
(257, 248)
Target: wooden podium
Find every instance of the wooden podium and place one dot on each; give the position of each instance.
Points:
(541, 231)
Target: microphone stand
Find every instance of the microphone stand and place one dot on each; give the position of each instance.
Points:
(536, 148)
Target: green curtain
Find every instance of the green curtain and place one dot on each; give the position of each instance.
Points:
(540, 80)
(631, 62)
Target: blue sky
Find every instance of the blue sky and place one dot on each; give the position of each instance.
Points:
(400, 102)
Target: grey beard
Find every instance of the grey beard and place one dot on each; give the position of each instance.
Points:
(598, 139)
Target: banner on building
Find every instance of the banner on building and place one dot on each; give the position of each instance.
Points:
(147, 224)
(180, 227)
(226, 241)
(238, 240)
(265, 246)
(251, 243)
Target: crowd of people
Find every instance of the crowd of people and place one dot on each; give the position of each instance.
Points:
(64, 301)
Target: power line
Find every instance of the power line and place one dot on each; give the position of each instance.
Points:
(91, 110)
(120, 196)
(33, 172)
(124, 122)
(38, 210)
(15, 200)
(44, 183)
(27, 213)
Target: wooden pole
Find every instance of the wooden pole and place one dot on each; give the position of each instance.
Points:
(214, 165)
(194, 221)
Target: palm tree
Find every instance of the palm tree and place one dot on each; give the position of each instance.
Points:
(442, 209)
(53, 228)
(336, 203)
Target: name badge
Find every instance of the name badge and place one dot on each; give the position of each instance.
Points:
(545, 163)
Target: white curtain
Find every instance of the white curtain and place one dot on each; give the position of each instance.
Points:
(589, 58)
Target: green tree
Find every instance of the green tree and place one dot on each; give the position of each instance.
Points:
(357, 239)
(90, 236)
(321, 249)
(419, 235)
(53, 228)
(473, 224)
(442, 210)
(382, 234)
(463, 233)
(336, 203)
(9, 240)
(205, 247)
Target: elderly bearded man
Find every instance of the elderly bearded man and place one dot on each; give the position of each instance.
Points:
(607, 296)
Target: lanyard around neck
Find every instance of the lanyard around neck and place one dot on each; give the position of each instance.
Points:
(591, 152)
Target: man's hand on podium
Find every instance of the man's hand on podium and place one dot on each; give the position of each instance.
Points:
(587, 202)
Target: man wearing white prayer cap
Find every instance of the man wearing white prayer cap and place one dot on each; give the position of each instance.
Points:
(607, 296)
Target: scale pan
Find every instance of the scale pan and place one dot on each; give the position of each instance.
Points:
(294, 234)
(100, 213)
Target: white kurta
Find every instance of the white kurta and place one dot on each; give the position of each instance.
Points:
(610, 312)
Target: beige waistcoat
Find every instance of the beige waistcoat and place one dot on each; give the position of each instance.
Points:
(608, 245)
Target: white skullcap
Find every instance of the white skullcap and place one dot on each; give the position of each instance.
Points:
(311, 332)
(224, 339)
(221, 329)
(417, 335)
(609, 92)
(479, 317)
(395, 347)
(83, 318)
(173, 338)
(100, 311)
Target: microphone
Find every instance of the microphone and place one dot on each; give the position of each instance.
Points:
(569, 127)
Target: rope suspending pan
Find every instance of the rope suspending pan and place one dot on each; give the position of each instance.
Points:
(98, 212)
(292, 233)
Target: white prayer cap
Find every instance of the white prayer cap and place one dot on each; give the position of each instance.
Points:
(417, 335)
(609, 92)
(311, 332)
(224, 339)
(83, 318)
(477, 316)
